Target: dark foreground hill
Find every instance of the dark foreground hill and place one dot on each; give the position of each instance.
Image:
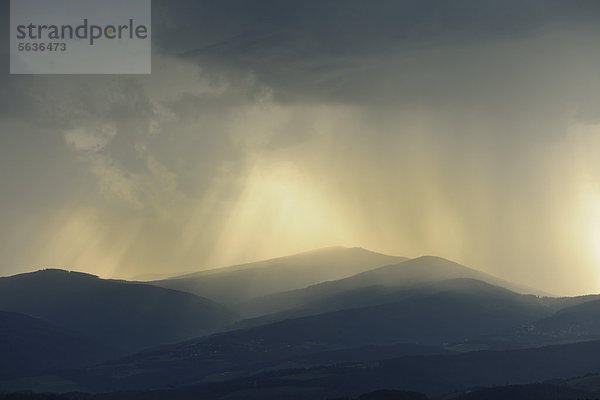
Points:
(234, 284)
(536, 391)
(33, 346)
(434, 375)
(124, 316)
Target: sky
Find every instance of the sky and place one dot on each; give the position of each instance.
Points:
(468, 130)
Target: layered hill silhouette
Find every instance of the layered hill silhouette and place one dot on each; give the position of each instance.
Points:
(323, 324)
(123, 316)
(234, 284)
(448, 313)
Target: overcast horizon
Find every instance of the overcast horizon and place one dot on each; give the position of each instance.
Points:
(466, 130)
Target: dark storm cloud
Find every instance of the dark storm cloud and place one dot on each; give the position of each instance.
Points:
(332, 49)
(516, 62)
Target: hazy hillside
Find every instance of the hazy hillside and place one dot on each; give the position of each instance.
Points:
(405, 274)
(577, 322)
(33, 346)
(381, 294)
(444, 312)
(126, 316)
(241, 282)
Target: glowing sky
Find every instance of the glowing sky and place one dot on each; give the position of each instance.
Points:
(465, 129)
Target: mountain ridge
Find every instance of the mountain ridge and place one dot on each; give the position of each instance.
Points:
(129, 316)
(233, 284)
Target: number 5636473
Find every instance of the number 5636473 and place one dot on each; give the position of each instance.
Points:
(50, 46)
